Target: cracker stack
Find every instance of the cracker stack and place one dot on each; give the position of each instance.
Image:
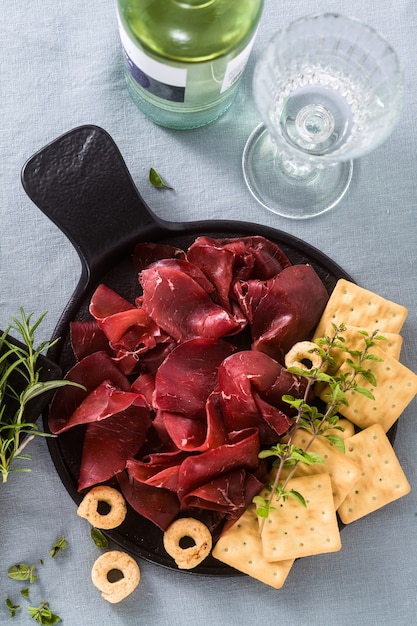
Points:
(353, 484)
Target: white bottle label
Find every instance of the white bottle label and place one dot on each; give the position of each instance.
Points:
(169, 82)
(235, 67)
(164, 81)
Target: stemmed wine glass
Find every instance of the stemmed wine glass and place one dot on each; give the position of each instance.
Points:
(329, 89)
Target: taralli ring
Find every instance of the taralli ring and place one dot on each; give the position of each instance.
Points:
(89, 507)
(183, 529)
(302, 352)
(118, 565)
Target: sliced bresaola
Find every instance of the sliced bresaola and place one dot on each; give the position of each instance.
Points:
(229, 259)
(130, 331)
(147, 253)
(109, 443)
(251, 386)
(181, 306)
(197, 435)
(106, 301)
(230, 494)
(159, 470)
(160, 506)
(90, 372)
(101, 403)
(87, 338)
(241, 452)
(188, 376)
(283, 309)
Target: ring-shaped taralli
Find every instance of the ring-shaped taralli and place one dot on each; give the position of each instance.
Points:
(303, 351)
(88, 508)
(117, 562)
(197, 532)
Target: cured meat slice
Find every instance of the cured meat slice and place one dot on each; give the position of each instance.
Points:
(180, 305)
(87, 338)
(241, 452)
(230, 494)
(109, 443)
(197, 435)
(89, 372)
(283, 309)
(106, 301)
(188, 376)
(160, 506)
(147, 253)
(224, 261)
(104, 401)
(159, 470)
(251, 386)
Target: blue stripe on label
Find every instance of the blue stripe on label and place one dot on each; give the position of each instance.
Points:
(165, 91)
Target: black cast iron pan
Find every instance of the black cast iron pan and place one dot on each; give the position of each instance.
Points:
(82, 184)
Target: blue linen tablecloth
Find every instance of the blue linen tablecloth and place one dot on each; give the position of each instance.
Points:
(61, 67)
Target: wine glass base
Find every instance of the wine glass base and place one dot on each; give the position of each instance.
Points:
(296, 196)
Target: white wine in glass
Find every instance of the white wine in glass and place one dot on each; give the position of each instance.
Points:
(329, 89)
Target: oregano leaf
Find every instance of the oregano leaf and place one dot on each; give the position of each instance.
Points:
(156, 180)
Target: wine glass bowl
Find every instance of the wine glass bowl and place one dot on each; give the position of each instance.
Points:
(329, 89)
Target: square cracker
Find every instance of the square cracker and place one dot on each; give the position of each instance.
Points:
(356, 306)
(354, 340)
(292, 531)
(240, 547)
(395, 389)
(343, 471)
(382, 478)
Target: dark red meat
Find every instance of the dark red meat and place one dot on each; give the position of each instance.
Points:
(251, 385)
(158, 505)
(180, 306)
(188, 376)
(241, 452)
(89, 372)
(283, 309)
(87, 338)
(109, 443)
(147, 253)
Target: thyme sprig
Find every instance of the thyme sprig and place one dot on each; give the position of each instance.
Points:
(23, 363)
(309, 417)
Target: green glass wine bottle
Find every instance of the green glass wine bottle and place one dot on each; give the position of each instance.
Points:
(184, 58)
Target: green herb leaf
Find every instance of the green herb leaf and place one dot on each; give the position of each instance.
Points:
(156, 180)
(23, 363)
(99, 538)
(310, 418)
(24, 592)
(12, 607)
(365, 392)
(298, 497)
(336, 441)
(59, 545)
(22, 571)
(43, 614)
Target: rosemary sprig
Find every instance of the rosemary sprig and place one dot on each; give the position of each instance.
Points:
(20, 362)
(310, 418)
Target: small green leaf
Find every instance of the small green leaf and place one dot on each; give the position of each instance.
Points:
(298, 497)
(24, 592)
(156, 180)
(43, 614)
(59, 545)
(99, 538)
(365, 392)
(22, 571)
(369, 377)
(336, 441)
(12, 607)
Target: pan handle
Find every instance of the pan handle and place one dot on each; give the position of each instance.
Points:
(81, 182)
